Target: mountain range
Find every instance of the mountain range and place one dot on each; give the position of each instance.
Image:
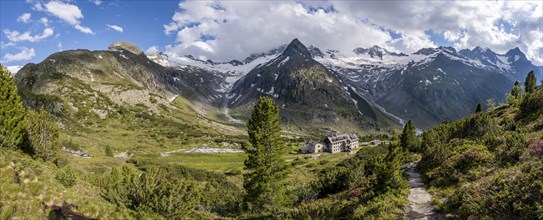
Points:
(318, 91)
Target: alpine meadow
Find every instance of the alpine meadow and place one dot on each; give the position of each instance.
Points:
(271, 109)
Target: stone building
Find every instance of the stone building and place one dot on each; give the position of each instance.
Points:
(312, 147)
(341, 143)
(332, 144)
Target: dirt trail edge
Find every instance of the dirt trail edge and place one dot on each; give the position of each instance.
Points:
(420, 200)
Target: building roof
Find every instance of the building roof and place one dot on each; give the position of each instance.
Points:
(313, 143)
(342, 138)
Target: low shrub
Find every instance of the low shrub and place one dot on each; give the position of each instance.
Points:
(515, 193)
(108, 151)
(461, 164)
(151, 193)
(67, 177)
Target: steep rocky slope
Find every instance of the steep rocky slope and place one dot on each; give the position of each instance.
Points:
(309, 95)
(433, 84)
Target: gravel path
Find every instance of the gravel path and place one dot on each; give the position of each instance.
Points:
(420, 206)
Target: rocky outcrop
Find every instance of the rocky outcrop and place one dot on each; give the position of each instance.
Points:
(118, 46)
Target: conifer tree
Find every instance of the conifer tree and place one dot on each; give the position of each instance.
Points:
(479, 108)
(515, 96)
(265, 184)
(43, 134)
(408, 139)
(389, 173)
(530, 83)
(12, 121)
(516, 91)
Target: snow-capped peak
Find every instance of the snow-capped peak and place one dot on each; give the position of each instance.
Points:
(376, 52)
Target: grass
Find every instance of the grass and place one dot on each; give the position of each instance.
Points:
(225, 162)
(28, 190)
(219, 162)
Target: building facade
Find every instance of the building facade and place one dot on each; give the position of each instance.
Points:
(332, 144)
(312, 147)
(341, 143)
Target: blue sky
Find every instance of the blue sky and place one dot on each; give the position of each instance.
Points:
(141, 23)
(31, 30)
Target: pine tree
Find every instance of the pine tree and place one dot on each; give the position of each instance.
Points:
(408, 138)
(530, 83)
(515, 96)
(389, 173)
(479, 108)
(516, 92)
(12, 121)
(43, 134)
(265, 184)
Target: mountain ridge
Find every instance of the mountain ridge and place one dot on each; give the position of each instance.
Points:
(379, 76)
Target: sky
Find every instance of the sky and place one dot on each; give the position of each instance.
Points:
(31, 30)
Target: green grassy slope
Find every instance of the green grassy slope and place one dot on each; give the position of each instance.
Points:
(489, 165)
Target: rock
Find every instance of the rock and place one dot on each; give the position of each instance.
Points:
(77, 153)
(117, 46)
(123, 155)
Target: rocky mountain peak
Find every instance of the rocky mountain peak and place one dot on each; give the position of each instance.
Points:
(478, 49)
(117, 46)
(376, 51)
(273, 52)
(426, 51)
(515, 50)
(447, 49)
(296, 49)
(516, 54)
(315, 52)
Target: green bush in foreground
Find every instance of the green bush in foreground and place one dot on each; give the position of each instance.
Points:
(515, 193)
(43, 134)
(367, 186)
(67, 177)
(108, 151)
(150, 194)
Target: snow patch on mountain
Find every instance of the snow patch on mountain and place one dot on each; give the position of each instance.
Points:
(233, 71)
(283, 61)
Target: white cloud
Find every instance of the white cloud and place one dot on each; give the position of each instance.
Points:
(37, 6)
(152, 50)
(97, 2)
(115, 27)
(14, 69)
(24, 18)
(83, 29)
(170, 28)
(15, 36)
(25, 54)
(59, 45)
(44, 21)
(68, 13)
(5, 45)
(236, 29)
(498, 25)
